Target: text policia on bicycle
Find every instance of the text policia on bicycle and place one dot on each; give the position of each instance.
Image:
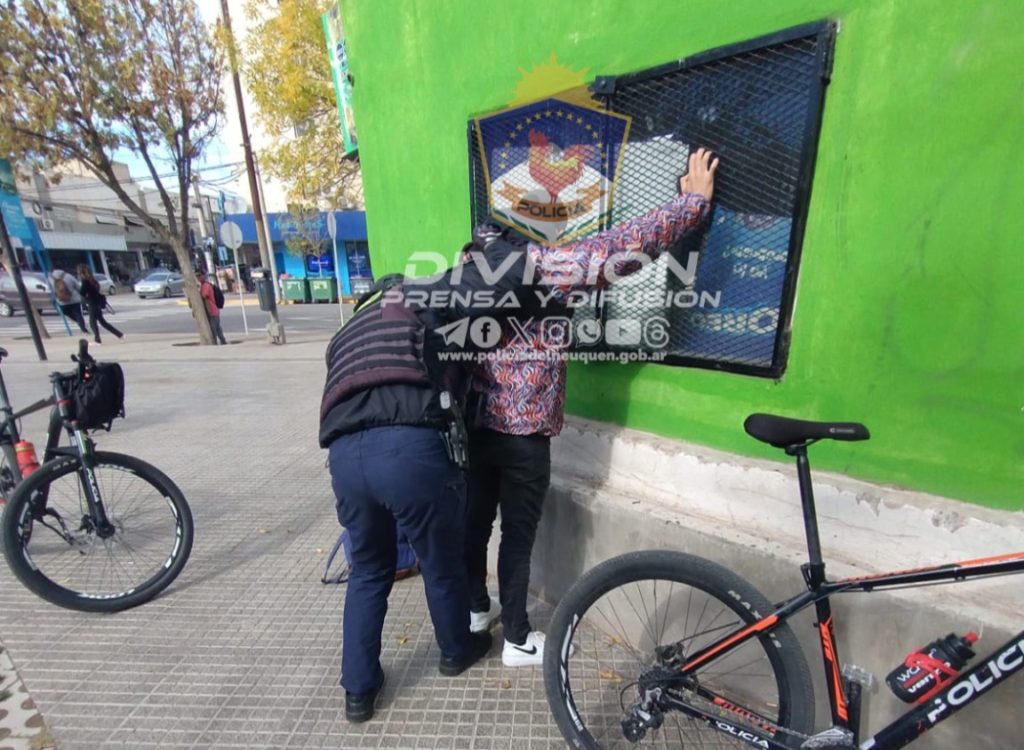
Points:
(682, 652)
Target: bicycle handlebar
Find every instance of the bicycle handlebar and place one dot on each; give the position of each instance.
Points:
(83, 358)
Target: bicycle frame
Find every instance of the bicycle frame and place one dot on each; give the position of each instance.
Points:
(60, 417)
(9, 434)
(967, 687)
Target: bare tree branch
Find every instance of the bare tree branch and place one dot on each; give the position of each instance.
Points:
(82, 80)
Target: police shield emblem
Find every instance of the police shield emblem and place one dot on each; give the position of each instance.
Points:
(551, 167)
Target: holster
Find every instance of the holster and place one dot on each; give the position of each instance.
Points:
(456, 439)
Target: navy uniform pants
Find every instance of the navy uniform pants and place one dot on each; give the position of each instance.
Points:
(388, 475)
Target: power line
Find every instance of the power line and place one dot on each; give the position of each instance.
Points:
(218, 184)
(56, 188)
(198, 168)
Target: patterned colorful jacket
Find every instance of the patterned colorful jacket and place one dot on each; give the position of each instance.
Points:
(522, 391)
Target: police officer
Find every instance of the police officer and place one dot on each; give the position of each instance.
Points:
(389, 419)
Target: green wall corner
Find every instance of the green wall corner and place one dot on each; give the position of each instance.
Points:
(908, 313)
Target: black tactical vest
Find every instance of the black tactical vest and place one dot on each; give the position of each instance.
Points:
(382, 345)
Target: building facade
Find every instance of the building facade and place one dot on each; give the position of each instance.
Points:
(77, 219)
(303, 247)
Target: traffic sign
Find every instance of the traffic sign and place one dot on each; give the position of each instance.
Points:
(231, 234)
(332, 225)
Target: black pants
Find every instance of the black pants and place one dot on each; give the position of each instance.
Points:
(511, 472)
(96, 317)
(74, 311)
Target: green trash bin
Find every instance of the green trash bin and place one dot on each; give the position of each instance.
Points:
(295, 290)
(324, 290)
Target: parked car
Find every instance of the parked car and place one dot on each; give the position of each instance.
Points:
(107, 285)
(161, 284)
(38, 293)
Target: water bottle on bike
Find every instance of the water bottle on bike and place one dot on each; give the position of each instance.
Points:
(27, 461)
(925, 671)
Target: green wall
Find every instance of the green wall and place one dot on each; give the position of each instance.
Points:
(908, 314)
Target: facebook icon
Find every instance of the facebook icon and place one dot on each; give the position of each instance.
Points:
(485, 332)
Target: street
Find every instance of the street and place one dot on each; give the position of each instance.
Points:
(172, 316)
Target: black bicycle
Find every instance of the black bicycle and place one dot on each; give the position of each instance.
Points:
(86, 529)
(677, 651)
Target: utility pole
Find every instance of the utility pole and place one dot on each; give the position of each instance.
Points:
(270, 239)
(7, 253)
(266, 252)
(204, 227)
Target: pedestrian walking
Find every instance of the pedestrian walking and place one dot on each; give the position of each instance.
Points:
(96, 301)
(69, 296)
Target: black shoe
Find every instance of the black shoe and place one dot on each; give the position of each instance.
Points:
(479, 645)
(359, 706)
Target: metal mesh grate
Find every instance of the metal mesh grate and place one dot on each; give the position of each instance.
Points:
(758, 106)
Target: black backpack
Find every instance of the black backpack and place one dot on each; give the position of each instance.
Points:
(218, 297)
(98, 397)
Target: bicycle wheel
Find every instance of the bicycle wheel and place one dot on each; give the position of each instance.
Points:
(616, 615)
(53, 546)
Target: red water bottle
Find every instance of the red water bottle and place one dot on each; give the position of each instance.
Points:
(924, 672)
(27, 460)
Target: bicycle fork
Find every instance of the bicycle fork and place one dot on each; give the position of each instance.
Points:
(97, 517)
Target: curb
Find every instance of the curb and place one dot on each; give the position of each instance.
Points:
(21, 725)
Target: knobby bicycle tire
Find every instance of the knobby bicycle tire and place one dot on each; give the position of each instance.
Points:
(590, 690)
(53, 549)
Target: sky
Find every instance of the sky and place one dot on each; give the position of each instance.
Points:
(227, 148)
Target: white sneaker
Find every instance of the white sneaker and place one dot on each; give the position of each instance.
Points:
(481, 621)
(527, 654)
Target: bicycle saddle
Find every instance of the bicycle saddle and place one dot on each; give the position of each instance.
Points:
(783, 432)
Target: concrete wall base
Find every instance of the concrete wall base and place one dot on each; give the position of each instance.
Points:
(618, 490)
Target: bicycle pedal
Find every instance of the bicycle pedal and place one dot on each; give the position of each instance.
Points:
(833, 738)
(861, 676)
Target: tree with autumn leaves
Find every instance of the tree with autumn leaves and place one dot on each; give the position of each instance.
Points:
(288, 73)
(82, 80)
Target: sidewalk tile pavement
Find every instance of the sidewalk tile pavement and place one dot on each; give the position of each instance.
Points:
(243, 650)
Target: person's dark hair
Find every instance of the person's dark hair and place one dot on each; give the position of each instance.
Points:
(84, 273)
(486, 233)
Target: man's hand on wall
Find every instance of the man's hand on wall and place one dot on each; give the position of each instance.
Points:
(700, 177)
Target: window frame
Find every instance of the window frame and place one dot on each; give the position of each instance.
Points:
(604, 88)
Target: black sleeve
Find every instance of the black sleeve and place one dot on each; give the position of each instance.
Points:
(498, 284)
